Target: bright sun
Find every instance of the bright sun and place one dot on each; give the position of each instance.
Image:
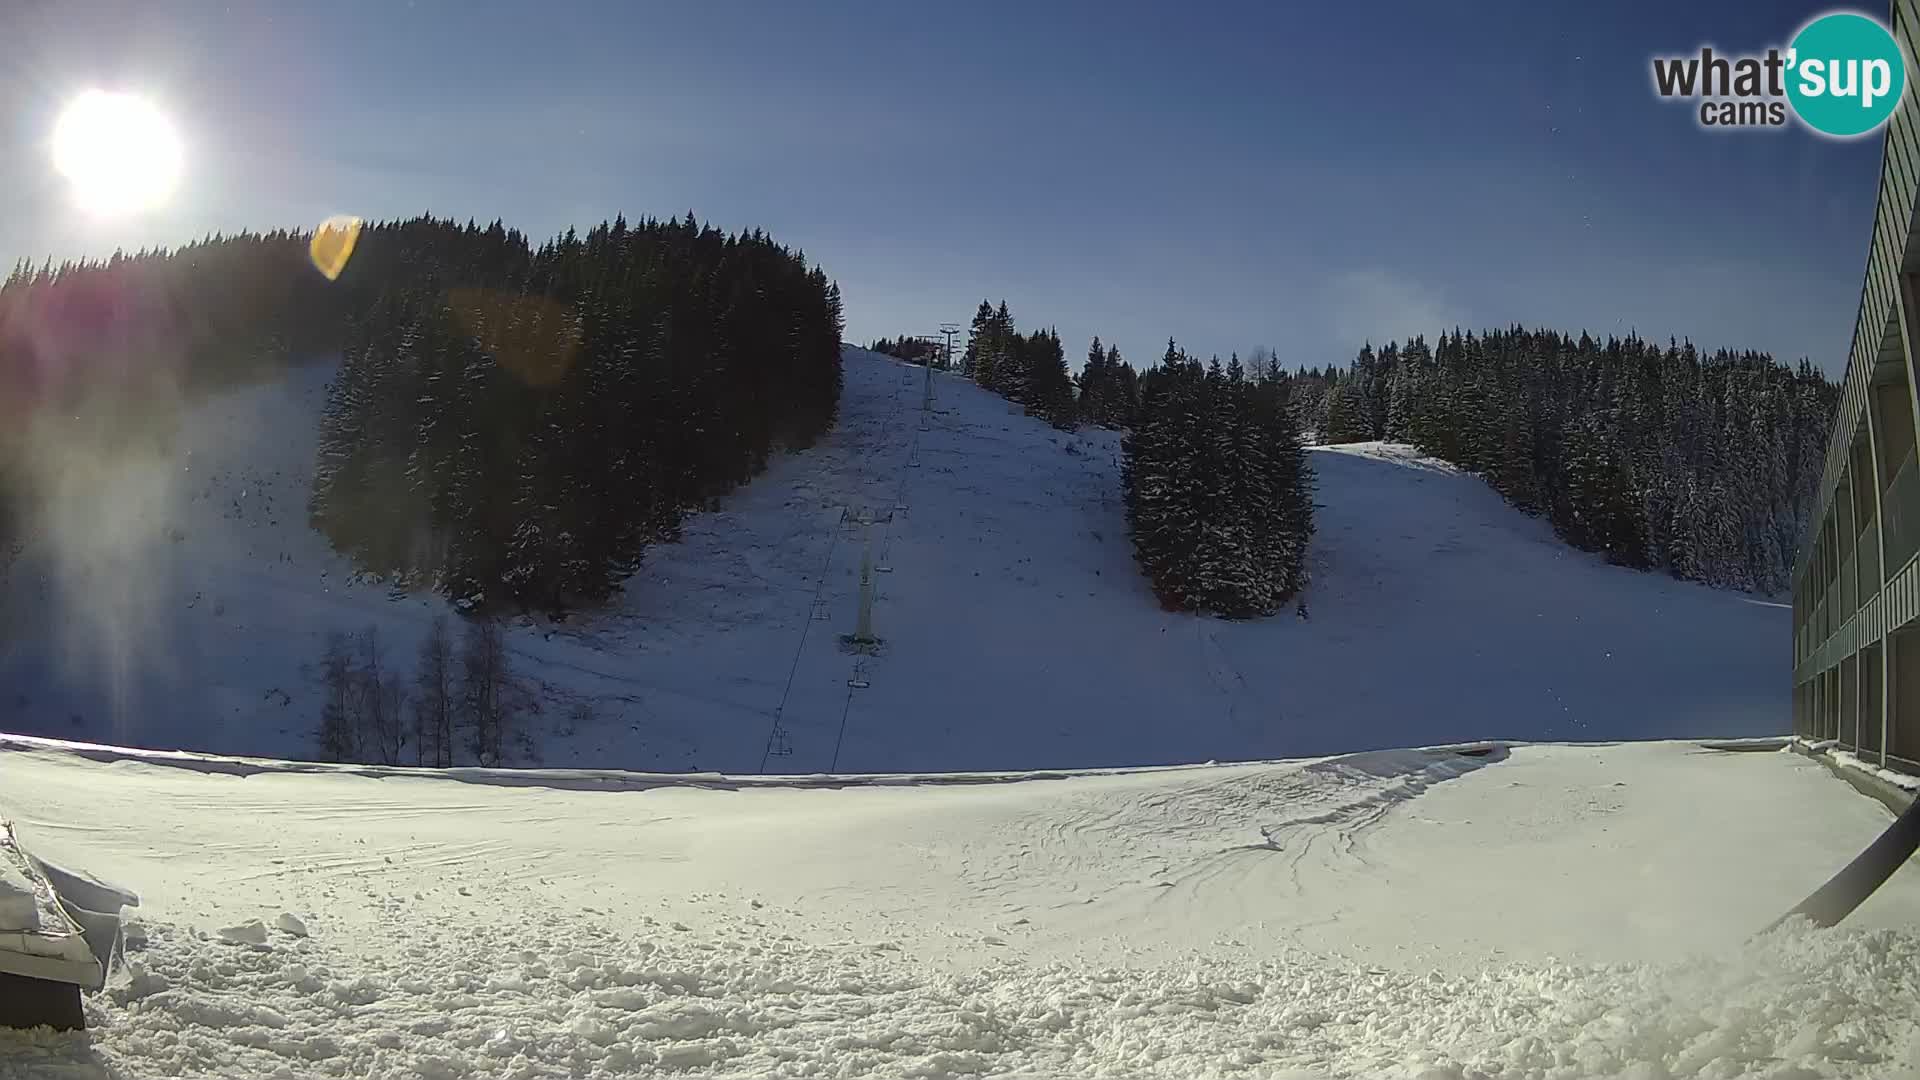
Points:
(118, 151)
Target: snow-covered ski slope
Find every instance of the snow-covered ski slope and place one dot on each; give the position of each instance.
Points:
(182, 601)
(1531, 911)
(1538, 911)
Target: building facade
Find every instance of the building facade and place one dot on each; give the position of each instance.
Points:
(1856, 584)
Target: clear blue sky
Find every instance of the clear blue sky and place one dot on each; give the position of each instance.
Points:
(1231, 174)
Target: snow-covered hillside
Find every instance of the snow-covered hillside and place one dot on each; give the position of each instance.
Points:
(183, 602)
(1530, 912)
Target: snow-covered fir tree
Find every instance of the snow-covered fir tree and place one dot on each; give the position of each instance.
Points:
(1106, 388)
(1029, 369)
(1218, 494)
(1049, 386)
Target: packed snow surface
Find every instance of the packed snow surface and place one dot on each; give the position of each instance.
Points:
(1529, 911)
(179, 599)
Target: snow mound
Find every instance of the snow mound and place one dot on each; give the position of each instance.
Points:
(252, 932)
(1904, 781)
(448, 1000)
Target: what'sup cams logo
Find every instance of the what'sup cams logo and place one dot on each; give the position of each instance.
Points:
(1843, 75)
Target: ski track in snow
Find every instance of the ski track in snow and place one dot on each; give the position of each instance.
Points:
(190, 602)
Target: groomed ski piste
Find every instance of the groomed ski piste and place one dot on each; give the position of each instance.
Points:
(1523, 911)
(1053, 832)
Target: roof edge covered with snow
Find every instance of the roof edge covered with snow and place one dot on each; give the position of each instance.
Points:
(628, 780)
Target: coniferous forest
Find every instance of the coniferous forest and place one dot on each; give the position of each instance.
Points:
(1218, 492)
(911, 349)
(1702, 466)
(512, 425)
(1029, 369)
(515, 426)
(497, 397)
(1108, 388)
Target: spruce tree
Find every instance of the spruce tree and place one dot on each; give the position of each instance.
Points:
(1365, 399)
(979, 342)
(1012, 368)
(1126, 391)
(1396, 393)
(1049, 385)
(1217, 492)
(1094, 387)
(1342, 421)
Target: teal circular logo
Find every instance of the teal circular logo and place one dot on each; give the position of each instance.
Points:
(1845, 74)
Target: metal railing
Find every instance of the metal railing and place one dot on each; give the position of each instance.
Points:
(1901, 504)
(1867, 551)
(1871, 659)
(1849, 586)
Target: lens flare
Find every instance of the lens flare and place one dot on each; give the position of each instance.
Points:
(332, 244)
